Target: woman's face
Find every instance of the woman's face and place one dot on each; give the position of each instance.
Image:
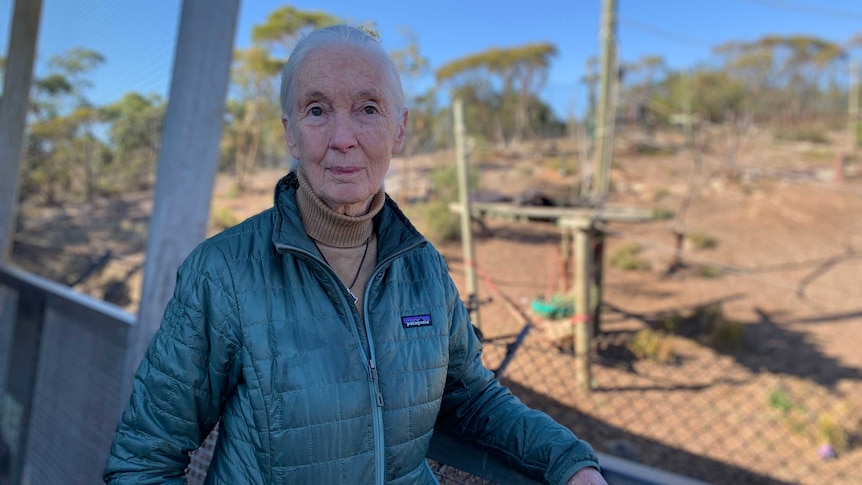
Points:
(343, 126)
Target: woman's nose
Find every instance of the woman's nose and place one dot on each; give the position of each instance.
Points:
(344, 132)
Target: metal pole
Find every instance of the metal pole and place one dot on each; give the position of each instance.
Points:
(605, 117)
(13, 112)
(466, 215)
(187, 158)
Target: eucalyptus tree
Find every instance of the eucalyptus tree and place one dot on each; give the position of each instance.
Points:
(253, 133)
(413, 66)
(782, 72)
(422, 123)
(854, 93)
(134, 136)
(252, 112)
(640, 89)
(505, 80)
(63, 154)
(470, 80)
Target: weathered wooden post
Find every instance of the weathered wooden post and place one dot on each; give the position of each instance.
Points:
(466, 214)
(582, 318)
(853, 105)
(597, 264)
(605, 117)
(566, 256)
(839, 168)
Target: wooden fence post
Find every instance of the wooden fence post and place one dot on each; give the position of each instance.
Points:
(582, 317)
(466, 213)
(839, 168)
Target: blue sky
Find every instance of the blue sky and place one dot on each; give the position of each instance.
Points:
(137, 36)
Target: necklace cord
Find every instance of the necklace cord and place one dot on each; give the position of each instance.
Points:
(358, 269)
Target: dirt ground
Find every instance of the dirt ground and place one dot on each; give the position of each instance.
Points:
(784, 266)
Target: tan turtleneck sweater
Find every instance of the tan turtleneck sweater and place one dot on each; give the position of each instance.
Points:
(341, 239)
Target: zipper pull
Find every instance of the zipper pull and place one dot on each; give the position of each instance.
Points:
(373, 371)
(375, 381)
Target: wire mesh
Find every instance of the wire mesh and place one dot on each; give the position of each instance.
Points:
(689, 389)
(722, 421)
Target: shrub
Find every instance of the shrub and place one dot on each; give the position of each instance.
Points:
(442, 224)
(780, 400)
(558, 164)
(661, 194)
(818, 155)
(727, 335)
(652, 345)
(710, 272)
(701, 240)
(444, 181)
(671, 323)
(661, 213)
(223, 218)
(830, 432)
(833, 428)
(628, 257)
(233, 191)
(803, 133)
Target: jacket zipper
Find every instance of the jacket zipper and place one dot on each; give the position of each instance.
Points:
(377, 411)
(374, 381)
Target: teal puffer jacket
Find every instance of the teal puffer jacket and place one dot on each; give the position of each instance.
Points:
(262, 338)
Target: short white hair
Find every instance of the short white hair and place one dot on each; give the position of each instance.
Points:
(339, 35)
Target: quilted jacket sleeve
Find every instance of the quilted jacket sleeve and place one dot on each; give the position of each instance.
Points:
(477, 408)
(190, 369)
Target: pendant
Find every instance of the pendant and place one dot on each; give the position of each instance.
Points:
(354, 296)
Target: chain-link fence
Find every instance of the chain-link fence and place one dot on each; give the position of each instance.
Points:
(739, 377)
(720, 420)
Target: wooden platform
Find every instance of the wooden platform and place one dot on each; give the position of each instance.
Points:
(563, 216)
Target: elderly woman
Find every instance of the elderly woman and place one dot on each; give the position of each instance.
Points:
(325, 334)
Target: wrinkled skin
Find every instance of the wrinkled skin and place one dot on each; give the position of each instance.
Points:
(587, 476)
(343, 127)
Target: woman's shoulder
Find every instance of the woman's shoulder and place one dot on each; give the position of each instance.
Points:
(250, 239)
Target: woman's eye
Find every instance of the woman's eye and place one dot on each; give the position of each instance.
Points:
(369, 110)
(316, 111)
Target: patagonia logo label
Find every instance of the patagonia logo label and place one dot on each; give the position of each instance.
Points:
(416, 321)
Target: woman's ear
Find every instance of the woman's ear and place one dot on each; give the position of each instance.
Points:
(288, 138)
(402, 132)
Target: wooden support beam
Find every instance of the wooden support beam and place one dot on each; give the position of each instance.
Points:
(557, 214)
